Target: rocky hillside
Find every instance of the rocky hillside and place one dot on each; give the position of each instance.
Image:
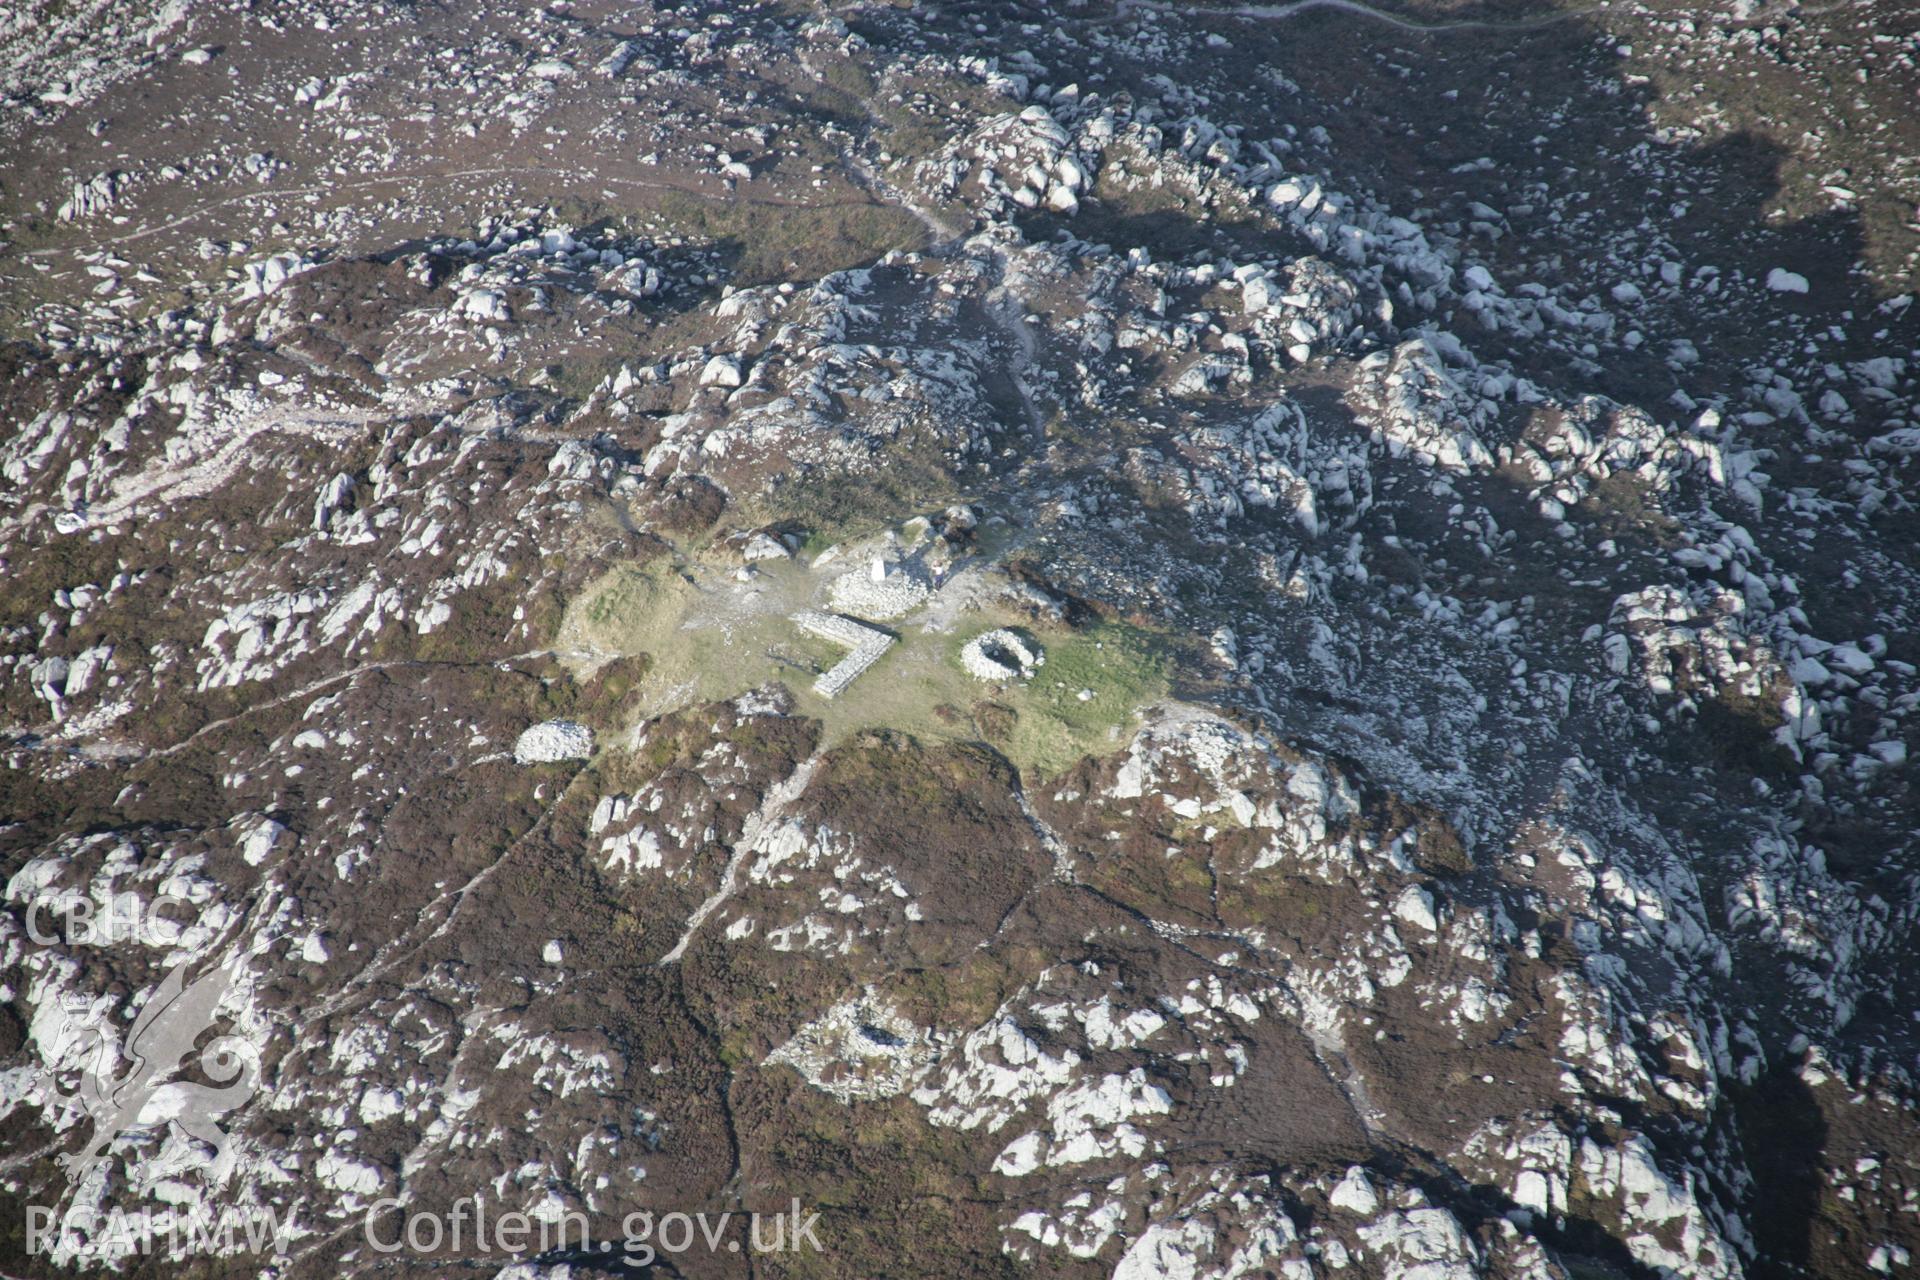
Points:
(1105, 639)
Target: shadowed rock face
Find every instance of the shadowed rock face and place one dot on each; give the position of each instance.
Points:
(1454, 464)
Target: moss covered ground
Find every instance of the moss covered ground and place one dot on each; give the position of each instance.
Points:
(708, 636)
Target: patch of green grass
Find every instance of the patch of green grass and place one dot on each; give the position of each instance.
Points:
(1052, 728)
(1121, 667)
(715, 640)
(634, 610)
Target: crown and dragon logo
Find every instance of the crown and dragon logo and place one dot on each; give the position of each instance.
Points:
(168, 1027)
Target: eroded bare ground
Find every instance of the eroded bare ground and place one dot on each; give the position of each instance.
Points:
(1459, 481)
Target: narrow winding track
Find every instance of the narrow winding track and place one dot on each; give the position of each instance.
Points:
(1265, 12)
